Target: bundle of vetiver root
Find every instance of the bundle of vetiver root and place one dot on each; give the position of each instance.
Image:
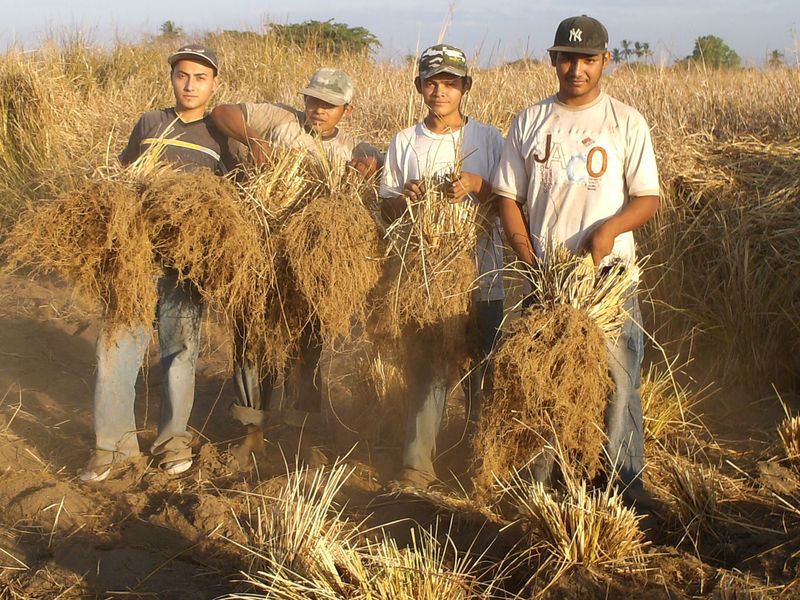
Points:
(94, 238)
(432, 269)
(550, 372)
(333, 249)
(326, 246)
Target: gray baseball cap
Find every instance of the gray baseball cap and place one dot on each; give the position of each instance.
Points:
(330, 85)
(442, 58)
(580, 35)
(195, 52)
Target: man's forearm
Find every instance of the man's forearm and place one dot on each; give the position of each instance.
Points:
(638, 211)
(515, 228)
(229, 119)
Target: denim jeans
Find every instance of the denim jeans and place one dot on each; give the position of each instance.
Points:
(119, 357)
(428, 392)
(253, 388)
(623, 416)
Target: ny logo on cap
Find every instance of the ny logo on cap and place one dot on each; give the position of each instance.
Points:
(575, 35)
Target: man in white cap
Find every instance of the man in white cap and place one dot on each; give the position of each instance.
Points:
(256, 129)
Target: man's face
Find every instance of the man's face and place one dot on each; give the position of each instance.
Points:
(193, 83)
(323, 117)
(443, 92)
(579, 74)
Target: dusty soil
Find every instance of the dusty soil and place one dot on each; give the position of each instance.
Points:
(143, 534)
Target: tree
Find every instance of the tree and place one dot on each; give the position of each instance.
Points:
(714, 52)
(616, 55)
(169, 29)
(327, 37)
(626, 49)
(775, 60)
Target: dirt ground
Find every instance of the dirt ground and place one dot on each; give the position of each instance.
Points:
(143, 534)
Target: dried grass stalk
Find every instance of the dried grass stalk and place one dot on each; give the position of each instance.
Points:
(565, 278)
(550, 379)
(585, 527)
(789, 432)
(301, 544)
(432, 269)
(333, 250)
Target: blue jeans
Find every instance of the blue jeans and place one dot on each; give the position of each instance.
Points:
(623, 415)
(428, 389)
(119, 356)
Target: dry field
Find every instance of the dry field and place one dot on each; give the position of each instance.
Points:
(722, 371)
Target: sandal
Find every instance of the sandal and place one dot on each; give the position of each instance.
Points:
(175, 462)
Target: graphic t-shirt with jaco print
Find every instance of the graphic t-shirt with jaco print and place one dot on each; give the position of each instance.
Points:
(576, 167)
(418, 153)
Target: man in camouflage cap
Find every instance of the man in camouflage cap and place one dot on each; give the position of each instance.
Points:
(256, 129)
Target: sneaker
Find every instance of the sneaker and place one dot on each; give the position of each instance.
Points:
(99, 467)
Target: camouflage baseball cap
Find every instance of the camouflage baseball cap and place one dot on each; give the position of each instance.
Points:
(330, 85)
(580, 35)
(442, 58)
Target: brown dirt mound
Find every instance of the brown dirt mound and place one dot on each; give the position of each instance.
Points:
(94, 239)
(550, 378)
(333, 250)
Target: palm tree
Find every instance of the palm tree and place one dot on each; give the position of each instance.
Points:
(637, 49)
(616, 55)
(626, 49)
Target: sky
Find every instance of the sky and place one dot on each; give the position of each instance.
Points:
(495, 31)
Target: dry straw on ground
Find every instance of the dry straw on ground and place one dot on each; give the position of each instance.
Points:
(551, 376)
(579, 526)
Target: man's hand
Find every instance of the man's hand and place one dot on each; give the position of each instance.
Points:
(260, 150)
(366, 166)
(466, 183)
(600, 242)
(414, 190)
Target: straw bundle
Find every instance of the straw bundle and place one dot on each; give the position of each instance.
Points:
(551, 380)
(431, 269)
(333, 250)
(94, 239)
(592, 528)
(789, 432)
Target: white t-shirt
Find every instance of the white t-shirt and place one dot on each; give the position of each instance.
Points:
(417, 153)
(576, 167)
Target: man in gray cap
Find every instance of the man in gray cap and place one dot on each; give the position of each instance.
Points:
(256, 129)
(581, 164)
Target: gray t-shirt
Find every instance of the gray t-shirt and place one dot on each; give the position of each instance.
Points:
(188, 146)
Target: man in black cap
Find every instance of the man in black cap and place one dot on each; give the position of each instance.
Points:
(189, 143)
(582, 164)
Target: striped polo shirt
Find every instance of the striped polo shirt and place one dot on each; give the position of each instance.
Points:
(188, 146)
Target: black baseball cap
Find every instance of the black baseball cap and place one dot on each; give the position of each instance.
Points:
(195, 52)
(581, 35)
